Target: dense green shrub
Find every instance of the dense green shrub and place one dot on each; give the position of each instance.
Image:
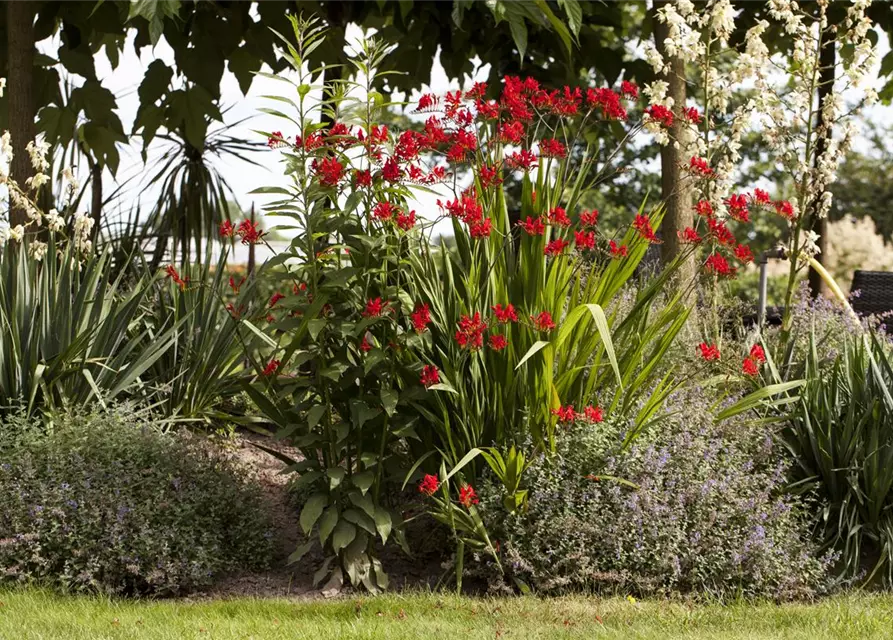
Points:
(705, 515)
(104, 501)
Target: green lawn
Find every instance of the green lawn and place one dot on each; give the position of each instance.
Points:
(38, 614)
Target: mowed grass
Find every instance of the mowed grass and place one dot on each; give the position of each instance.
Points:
(32, 614)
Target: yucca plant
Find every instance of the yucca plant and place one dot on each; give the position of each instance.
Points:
(840, 437)
(69, 331)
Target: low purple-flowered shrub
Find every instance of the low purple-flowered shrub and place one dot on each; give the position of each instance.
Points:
(103, 501)
(708, 515)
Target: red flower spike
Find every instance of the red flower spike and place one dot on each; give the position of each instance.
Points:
(406, 221)
(555, 247)
(525, 160)
(533, 227)
(489, 177)
(629, 90)
(430, 376)
(593, 414)
(276, 140)
(428, 485)
(480, 229)
(227, 230)
(565, 414)
(558, 217)
(660, 114)
(757, 353)
(391, 171)
(589, 218)
(584, 240)
(743, 253)
(618, 250)
(271, 368)
(785, 209)
(692, 115)
(365, 347)
(720, 232)
(276, 298)
(498, 342)
(699, 167)
(175, 276)
(642, 225)
(689, 236)
(249, 232)
(737, 205)
(329, 171)
(543, 321)
(421, 318)
(750, 367)
(552, 148)
(704, 208)
(709, 352)
(511, 132)
(470, 334)
(375, 307)
(717, 265)
(505, 315)
(761, 198)
(467, 496)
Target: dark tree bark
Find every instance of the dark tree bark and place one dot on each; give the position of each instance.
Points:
(22, 110)
(675, 191)
(827, 62)
(96, 192)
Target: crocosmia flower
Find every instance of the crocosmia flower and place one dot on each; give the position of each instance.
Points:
(467, 496)
(428, 485)
(709, 351)
(430, 376)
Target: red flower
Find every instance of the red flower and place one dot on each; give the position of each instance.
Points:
(589, 218)
(737, 205)
(375, 307)
(276, 140)
(365, 347)
(467, 496)
(643, 226)
(391, 170)
(235, 287)
(329, 171)
(363, 178)
(249, 232)
(608, 101)
(720, 232)
(757, 353)
(271, 368)
(511, 132)
(555, 247)
(565, 414)
(489, 176)
(498, 342)
(406, 221)
(558, 217)
(750, 367)
(276, 298)
(716, 264)
(629, 90)
(543, 321)
(505, 315)
(552, 148)
(761, 198)
(227, 230)
(175, 276)
(699, 167)
(691, 114)
(785, 209)
(480, 229)
(709, 351)
(689, 236)
(704, 208)
(524, 160)
(430, 376)
(471, 332)
(428, 485)
(743, 253)
(660, 114)
(593, 414)
(421, 317)
(533, 227)
(618, 250)
(584, 240)
(427, 102)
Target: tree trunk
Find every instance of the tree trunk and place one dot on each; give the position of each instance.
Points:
(675, 192)
(96, 204)
(22, 110)
(827, 62)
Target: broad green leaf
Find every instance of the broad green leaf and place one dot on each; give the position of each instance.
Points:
(312, 510)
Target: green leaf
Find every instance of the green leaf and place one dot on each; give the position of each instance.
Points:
(327, 523)
(389, 400)
(363, 481)
(518, 28)
(383, 523)
(312, 510)
(300, 552)
(315, 414)
(758, 397)
(336, 475)
(532, 351)
(343, 535)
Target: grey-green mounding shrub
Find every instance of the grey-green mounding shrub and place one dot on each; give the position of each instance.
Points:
(105, 501)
